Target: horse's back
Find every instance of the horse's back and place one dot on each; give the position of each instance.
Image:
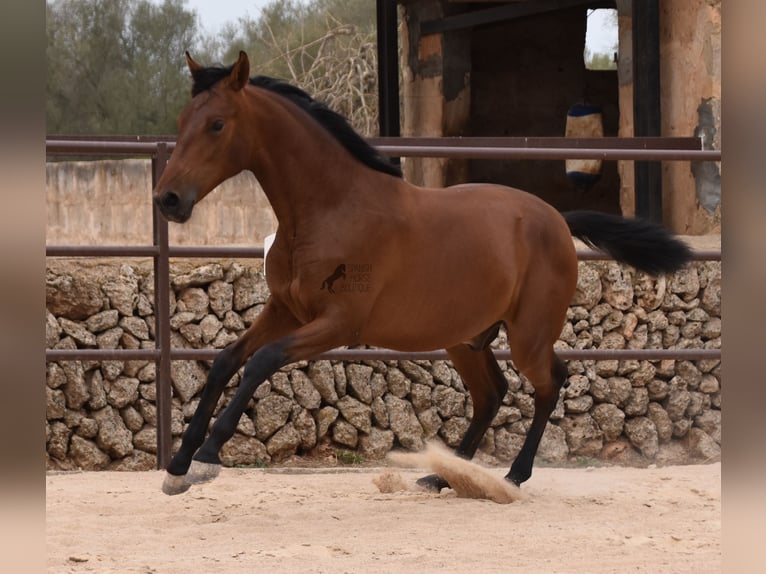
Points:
(506, 214)
(470, 255)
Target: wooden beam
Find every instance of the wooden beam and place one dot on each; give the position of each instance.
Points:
(501, 13)
(388, 68)
(646, 104)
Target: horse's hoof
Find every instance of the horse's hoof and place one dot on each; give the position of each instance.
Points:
(202, 472)
(516, 479)
(432, 482)
(174, 484)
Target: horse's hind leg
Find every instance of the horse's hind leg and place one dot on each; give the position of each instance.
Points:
(547, 375)
(534, 324)
(487, 385)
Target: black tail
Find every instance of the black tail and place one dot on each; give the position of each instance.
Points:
(642, 244)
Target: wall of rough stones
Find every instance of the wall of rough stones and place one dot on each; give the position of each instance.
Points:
(102, 415)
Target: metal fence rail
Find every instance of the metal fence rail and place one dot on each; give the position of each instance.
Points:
(372, 354)
(159, 148)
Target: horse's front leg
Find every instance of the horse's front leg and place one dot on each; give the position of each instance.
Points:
(304, 343)
(272, 322)
(225, 365)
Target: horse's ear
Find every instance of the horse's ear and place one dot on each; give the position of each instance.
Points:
(240, 73)
(194, 67)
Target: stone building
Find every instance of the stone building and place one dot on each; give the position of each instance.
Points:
(497, 69)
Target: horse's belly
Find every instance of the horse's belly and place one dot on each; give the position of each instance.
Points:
(416, 338)
(431, 317)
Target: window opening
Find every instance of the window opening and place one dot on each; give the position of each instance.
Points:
(601, 39)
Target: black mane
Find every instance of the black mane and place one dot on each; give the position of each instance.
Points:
(332, 121)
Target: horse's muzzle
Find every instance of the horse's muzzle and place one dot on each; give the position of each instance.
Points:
(173, 206)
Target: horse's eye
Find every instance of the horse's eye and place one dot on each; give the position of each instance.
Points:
(217, 125)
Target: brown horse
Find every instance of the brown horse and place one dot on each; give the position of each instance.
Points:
(363, 257)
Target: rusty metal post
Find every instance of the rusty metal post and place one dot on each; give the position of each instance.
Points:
(162, 317)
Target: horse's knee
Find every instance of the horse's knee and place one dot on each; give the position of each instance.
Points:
(226, 362)
(264, 362)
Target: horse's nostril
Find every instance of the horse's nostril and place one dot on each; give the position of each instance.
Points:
(170, 200)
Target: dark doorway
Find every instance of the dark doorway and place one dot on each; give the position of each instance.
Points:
(526, 73)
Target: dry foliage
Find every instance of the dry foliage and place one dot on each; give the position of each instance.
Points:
(339, 68)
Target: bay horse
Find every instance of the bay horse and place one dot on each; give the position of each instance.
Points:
(443, 268)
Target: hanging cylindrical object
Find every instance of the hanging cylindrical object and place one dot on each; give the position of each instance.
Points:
(584, 121)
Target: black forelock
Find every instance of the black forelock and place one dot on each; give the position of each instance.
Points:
(205, 78)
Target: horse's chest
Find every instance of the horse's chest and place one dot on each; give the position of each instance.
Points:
(295, 291)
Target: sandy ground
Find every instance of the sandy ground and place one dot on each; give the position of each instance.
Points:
(595, 520)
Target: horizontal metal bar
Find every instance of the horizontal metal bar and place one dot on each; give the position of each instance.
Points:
(101, 250)
(101, 354)
(696, 255)
(111, 138)
(470, 152)
(619, 142)
(505, 354)
(217, 251)
(468, 148)
(258, 252)
(385, 354)
(606, 142)
(152, 251)
(105, 147)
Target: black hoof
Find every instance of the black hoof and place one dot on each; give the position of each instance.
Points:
(517, 480)
(432, 482)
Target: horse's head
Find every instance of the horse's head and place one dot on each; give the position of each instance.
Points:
(211, 145)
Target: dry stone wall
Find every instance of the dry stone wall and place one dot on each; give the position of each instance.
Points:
(102, 414)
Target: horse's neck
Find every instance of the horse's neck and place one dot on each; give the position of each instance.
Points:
(304, 171)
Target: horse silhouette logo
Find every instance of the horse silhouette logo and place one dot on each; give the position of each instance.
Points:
(339, 273)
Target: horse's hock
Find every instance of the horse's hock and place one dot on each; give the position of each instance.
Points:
(102, 414)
